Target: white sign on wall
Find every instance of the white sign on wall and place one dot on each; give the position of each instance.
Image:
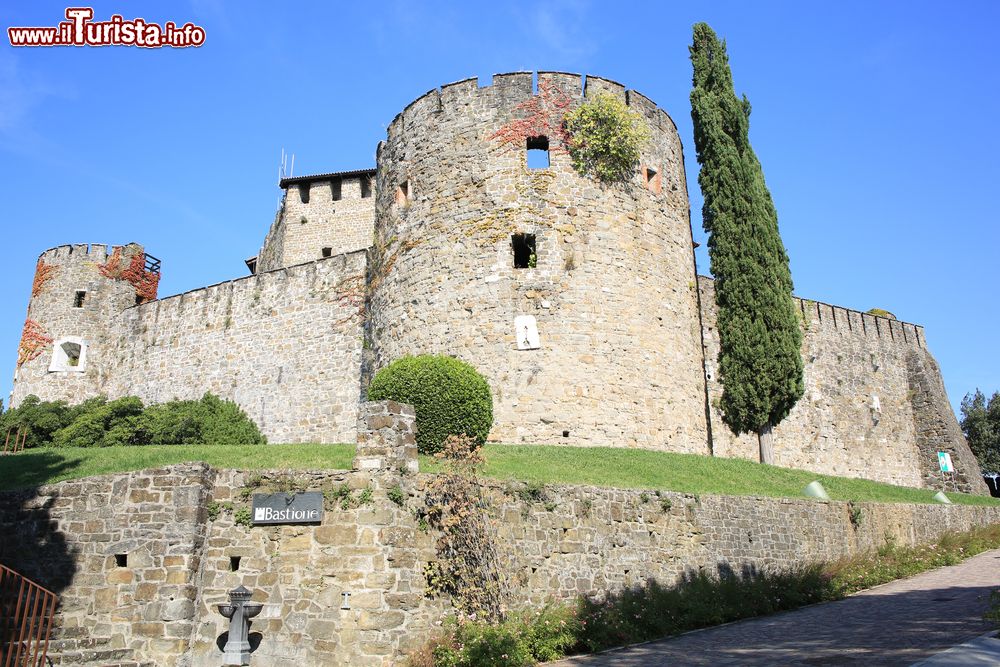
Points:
(944, 460)
(526, 331)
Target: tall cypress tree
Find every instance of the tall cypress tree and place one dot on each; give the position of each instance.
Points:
(759, 359)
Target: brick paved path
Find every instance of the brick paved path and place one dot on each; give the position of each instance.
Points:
(896, 624)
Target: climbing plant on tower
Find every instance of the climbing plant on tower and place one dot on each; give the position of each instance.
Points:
(759, 359)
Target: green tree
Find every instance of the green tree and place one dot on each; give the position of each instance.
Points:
(981, 425)
(759, 359)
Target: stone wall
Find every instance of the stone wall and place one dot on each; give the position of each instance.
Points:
(185, 551)
(123, 553)
(871, 391)
(284, 345)
(612, 292)
(330, 212)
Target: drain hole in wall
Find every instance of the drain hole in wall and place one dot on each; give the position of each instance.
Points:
(565, 434)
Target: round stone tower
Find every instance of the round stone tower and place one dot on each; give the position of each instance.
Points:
(577, 300)
(78, 293)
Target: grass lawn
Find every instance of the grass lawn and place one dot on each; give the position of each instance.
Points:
(45, 466)
(597, 466)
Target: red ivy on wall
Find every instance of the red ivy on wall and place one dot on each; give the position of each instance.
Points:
(43, 274)
(542, 116)
(33, 341)
(145, 282)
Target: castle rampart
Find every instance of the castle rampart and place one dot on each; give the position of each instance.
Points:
(578, 300)
(608, 285)
(285, 345)
(866, 395)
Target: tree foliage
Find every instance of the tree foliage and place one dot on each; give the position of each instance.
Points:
(449, 396)
(125, 421)
(981, 425)
(606, 138)
(759, 359)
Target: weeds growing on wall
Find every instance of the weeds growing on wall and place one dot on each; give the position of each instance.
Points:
(470, 565)
(651, 610)
(606, 138)
(146, 283)
(43, 274)
(34, 339)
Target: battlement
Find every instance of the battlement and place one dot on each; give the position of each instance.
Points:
(272, 277)
(509, 89)
(94, 252)
(845, 321)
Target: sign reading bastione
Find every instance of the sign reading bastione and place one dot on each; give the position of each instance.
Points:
(425, 253)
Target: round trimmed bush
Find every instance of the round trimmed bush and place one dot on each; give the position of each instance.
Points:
(449, 396)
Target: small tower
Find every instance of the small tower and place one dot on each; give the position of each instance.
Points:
(320, 216)
(76, 298)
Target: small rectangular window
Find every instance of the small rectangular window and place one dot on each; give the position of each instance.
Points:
(327, 252)
(234, 563)
(652, 180)
(79, 298)
(403, 193)
(335, 187)
(523, 246)
(121, 560)
(304, 192)
(366, 187)
(538, 152)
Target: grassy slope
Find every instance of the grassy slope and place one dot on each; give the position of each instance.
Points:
(45, 466)
(597, 466)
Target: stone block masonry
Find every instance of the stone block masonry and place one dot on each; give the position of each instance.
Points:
(320, 216)
(141, 559)
(874, 404)
(284, 345)
(611, 290)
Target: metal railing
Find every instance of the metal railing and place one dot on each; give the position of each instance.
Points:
(26, 611)
(18, 444)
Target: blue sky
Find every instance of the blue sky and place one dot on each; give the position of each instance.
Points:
(875, 123)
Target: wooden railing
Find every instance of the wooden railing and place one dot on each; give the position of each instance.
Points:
(26, 611)
(18, 444)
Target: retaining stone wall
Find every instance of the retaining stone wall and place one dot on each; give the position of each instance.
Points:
(574, 540)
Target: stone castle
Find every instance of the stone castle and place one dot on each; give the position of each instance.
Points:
(578, 301)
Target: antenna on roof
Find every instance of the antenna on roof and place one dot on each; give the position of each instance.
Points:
(281, 165)
(291, 170)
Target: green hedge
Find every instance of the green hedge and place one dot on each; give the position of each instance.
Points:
(450, 397)
(125, 421)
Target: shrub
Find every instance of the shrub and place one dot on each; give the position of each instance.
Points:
(101, 423)
(606, 138)
(210, 420)
(881, 312)
(41, 419)
(450, 397)
(117, 422)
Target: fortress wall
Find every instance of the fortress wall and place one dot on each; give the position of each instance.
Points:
(835, 428)
(53, 308)
(271, 253)
(284, 345)
(574, 540)
(305, 227)
(612, 293)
